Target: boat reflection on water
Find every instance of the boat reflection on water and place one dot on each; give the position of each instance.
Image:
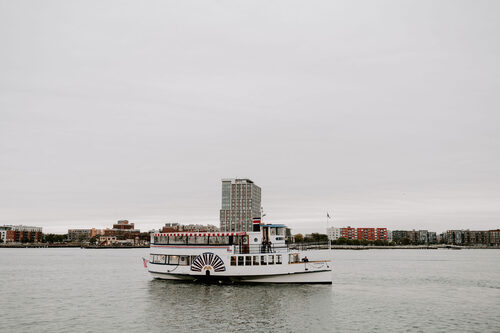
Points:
(262, 307)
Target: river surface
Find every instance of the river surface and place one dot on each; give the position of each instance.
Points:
(77, 290)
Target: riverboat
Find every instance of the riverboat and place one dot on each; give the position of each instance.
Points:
(258, 256)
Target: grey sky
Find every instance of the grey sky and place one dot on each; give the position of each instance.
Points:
(386, 113)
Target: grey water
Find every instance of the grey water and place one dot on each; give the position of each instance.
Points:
(78, 290)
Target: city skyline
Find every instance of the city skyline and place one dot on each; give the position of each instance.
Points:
(386, 115)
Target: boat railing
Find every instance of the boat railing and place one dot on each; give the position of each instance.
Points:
(258, 248)
(308, 246)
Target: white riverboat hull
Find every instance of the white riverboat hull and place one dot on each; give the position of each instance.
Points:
(315, 271)
(324, 277)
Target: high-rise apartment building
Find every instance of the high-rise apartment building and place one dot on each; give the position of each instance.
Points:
(241, 200)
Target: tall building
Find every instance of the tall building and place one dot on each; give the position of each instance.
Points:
(241, 200)
(333, 233)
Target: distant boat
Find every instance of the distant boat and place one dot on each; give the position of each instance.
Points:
(260, 256)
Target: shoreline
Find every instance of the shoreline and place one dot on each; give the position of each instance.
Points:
(334, 247)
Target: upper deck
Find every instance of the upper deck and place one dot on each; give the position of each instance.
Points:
(270, 238)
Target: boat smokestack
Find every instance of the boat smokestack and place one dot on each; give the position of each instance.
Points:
(256, 224)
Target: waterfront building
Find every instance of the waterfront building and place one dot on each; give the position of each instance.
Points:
(413, 236)
(348, 233)
(399, 235)
(494, 237)
(454, 237)
(107, 240)
(21, 234)
(79, 234)
(416, 237)
(369, 234)
(365, 233)
(123, 230)
(333, 233)
(432, 237)
(423, 237)
(241, 202)
(381, 234)
(471, 237)
(389, 236)
(3, 235)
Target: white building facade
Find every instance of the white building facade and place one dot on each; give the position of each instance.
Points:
(333, 233)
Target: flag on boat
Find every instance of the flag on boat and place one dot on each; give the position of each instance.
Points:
(145, 262)
(327, 215)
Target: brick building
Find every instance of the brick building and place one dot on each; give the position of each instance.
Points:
(20, 234)
(348, 233)
(369, 234)
(494, 237)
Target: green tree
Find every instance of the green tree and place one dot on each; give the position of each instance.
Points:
(53, 238)
(93, 240)
(341, 241)
(299, 238)
(405, 241)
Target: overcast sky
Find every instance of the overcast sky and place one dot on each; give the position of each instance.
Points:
(383, 113)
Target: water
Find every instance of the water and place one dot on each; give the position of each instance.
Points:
(75, 290)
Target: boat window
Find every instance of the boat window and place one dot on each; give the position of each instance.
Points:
(184, 260)
(199, 240)
(193, 258)
(162, 240)
(219, 240)
(263, 260)
(255, 260)
(278, 259)
(174, 260)
(270, 260)
(233, 261)
(273, 231)
(293, 258)
(158, 258)
(177, 239)
(248, 261)
(240, 260)
(280, 232)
